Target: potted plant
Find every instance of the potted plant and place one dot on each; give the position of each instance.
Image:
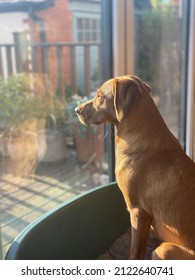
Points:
(24, 111)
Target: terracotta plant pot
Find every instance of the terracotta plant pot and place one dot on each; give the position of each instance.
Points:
(90, 144)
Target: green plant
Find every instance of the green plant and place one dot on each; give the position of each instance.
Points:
(20, 101)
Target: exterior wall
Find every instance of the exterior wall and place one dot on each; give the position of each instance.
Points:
(85, 10)
(9, 23)
(58, 29)
(58, 22)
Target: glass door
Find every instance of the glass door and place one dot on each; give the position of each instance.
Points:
(50, 61)
(151, 42)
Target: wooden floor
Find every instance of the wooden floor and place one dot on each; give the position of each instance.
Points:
(22, 200)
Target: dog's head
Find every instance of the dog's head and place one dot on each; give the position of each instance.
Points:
(113, 102)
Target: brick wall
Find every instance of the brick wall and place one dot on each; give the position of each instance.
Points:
(58, 28)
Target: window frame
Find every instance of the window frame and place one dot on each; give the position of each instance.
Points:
(190, 83)
(107, 73)
(123, 48)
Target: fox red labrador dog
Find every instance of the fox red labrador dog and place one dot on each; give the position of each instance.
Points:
(156, 177)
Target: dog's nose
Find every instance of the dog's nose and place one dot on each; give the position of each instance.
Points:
(78, 110)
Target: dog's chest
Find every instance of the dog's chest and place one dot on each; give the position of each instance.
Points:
(125, 175)
(124, 166)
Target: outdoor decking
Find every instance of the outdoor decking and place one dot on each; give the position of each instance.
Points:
(22, 200)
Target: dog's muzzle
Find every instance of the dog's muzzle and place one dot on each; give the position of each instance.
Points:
(78, 110)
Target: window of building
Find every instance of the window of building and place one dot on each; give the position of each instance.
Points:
(88, 29)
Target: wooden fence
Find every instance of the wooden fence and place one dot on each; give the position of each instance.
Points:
(58, 61)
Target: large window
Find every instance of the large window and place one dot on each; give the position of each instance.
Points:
(50, 61)
(159, 53)
(151, 42)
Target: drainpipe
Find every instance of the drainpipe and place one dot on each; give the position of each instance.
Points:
(41, 24)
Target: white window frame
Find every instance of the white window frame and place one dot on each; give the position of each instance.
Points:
(123, 48)
(190, 109)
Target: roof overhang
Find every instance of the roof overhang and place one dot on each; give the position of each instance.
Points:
(24, 5)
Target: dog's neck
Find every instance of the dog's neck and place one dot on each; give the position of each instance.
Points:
(143, 130)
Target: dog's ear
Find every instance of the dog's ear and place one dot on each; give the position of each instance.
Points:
(147, 87)
(126, 93)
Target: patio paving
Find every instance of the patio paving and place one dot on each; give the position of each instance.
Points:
(22, 200)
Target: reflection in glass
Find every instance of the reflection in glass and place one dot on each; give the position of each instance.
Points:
(50, 61)
(158, 54)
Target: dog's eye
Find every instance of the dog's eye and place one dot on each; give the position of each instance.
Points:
(100, 98)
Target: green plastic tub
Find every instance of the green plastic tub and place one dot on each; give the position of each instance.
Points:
(79, 229)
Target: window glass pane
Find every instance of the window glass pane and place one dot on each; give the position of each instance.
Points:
(94, 37)
(79, 23)
(88, 36)
(80, 37)
(98, 24)
(94, 24)
(98, 37)
(46, 155)
(158, 54)
(87, 23)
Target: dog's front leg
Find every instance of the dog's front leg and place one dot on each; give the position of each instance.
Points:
(140, 230)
